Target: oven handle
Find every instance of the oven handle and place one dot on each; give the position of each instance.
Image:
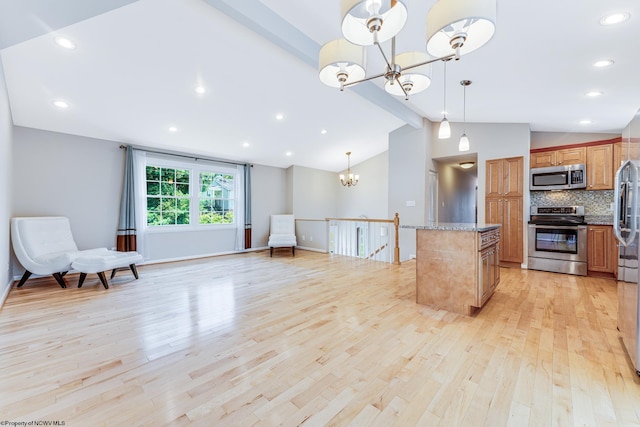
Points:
(559, 227)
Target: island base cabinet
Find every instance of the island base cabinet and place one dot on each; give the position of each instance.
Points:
(456, 271)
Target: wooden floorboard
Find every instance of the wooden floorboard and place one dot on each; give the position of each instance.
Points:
(312, 340)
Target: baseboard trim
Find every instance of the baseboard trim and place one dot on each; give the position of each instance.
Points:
(5, 294)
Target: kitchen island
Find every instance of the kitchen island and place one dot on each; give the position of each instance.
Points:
(456, 265)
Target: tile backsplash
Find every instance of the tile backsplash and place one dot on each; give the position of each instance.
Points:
(595, 202)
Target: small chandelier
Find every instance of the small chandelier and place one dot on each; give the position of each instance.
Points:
(350, 180)
(454, 28)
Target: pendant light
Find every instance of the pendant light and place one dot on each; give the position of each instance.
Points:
(445, 129)
(463, 145)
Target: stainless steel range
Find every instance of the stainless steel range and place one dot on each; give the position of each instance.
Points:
(558, 239)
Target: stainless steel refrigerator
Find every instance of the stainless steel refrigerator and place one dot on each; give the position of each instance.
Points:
(626, 225)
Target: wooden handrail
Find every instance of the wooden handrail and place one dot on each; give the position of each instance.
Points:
(390, 221)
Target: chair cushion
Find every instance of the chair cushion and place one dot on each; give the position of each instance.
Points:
(278, 240)
(99, 262)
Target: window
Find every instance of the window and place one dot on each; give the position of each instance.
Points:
(182, 194)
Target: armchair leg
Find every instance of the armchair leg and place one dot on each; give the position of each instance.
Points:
(24, 278)
(103, 279)
(59, 279)
(293, 250)
(81, 279)
(271, 251)
(134, 270)
(113, 273)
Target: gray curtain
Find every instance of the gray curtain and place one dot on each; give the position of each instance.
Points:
(126, 239)
(247, 206)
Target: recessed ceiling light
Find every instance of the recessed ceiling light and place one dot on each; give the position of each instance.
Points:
(279, 116)
(585, 122)
(65, 43)
(173, 129)
(245, 144)
(288, 153)
(615, 18)
(603, 63)
(323, 131)
(200, 90)
(61, 104)
(593, 93)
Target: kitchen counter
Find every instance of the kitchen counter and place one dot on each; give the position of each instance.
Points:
(454, 226)
(599, 219)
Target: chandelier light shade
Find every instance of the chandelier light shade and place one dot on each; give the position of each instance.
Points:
(365, 22)
(414, 80)
(444, 131)
(341, 62)
(460, 26)
(463, 145)
(350, 180)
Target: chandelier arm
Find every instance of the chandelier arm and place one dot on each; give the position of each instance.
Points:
(389, 67)
(365, 79)
(420, 64)
(406, 95)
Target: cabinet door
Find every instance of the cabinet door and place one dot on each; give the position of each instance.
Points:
(513, 176)
(543, 159)
(493, 214)
(511, 233)
(600, 167)
(601, 255)
(494, 178)
(487, 274)
(571, 156)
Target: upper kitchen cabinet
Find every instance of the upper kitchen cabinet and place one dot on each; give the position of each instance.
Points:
(600, 167)
(565, 156)
(505, 177)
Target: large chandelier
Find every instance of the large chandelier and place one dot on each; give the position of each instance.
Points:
(454, 28)
(350, 180)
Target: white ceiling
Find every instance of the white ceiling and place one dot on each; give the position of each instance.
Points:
(136, 64)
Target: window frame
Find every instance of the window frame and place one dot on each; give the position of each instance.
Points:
(194, 168)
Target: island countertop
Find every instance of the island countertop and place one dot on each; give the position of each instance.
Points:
(453, 226)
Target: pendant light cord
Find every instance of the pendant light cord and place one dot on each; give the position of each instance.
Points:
(464, 110)
(444, 103)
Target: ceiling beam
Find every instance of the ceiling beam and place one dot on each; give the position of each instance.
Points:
(259, 18)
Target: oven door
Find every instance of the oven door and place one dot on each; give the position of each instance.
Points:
(559, 242)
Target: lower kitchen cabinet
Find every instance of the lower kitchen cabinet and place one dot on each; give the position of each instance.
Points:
(602, 250)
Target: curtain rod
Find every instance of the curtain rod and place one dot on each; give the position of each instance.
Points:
(211, 159)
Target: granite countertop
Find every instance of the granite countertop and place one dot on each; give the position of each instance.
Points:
(599, 219)
(453, 226)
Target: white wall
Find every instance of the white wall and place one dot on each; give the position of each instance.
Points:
(553, 139)
(409, 164)
(6, 181)
(370, 197)
(268, 196)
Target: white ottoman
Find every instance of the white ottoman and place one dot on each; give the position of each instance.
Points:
(112, 260)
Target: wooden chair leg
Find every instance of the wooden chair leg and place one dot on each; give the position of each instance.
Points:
(293, 250)
(103, 279)
(113, 273)
(271, 251)
(81, 279)
(59, 279)
(134, 270)
(24, 278)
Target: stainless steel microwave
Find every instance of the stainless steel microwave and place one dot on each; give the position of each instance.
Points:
(569, 177)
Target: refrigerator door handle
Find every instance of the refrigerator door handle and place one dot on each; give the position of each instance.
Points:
(625, 187)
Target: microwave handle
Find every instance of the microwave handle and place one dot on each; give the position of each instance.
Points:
(625, 199)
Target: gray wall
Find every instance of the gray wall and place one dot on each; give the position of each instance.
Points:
(457, 194)
(370, 197)
(6, 137)
(268, 196)
(409, 163)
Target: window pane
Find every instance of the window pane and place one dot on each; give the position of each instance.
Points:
(168, 218)
(168, 189)
(153, 203)
(182, 175)
(153, 173)
(182, 190)
(168, 204)
(168, 175)
(182, 218)
(183, 205)
(153, 188)
(153, 218)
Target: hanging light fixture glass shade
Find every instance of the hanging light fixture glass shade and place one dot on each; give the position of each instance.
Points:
(460, 24)
(364, 20)
(444, 132)
(414, 80)
(341, 62)
(350, 180)
(463, 145)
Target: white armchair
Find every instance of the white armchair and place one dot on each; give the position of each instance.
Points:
(45, 245)
(282, 233)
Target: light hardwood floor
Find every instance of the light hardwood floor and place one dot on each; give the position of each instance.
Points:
(314, 340)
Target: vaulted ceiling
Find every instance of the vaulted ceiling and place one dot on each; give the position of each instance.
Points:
(136, 64)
